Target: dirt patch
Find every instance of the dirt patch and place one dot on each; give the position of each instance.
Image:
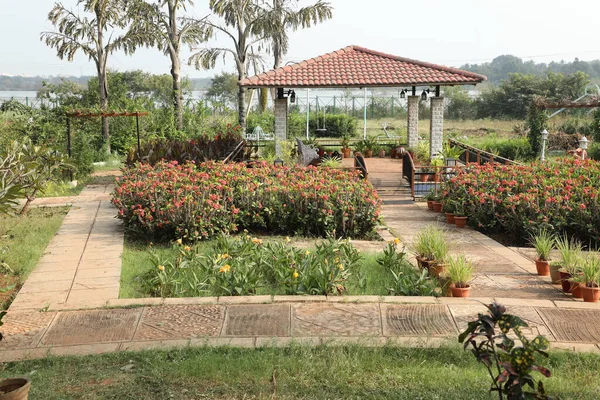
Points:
(9, 287)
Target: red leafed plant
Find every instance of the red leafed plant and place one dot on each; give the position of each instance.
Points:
(169, 200)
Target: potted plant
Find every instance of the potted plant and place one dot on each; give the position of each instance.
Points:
(438, 252)
(345, 143)
(451, 155)
(425, 174)
(421, 247)
(369, 143)
(431, 197)
(543, 242)
(590, 274)
(381, 152)
(460, 217)
(437, 163)
(569, 251)
(448, 208)
(460, 271)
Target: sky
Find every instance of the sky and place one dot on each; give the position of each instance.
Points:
(448, 32)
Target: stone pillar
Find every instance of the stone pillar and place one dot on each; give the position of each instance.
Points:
(413, 121)
(436, 130)
(281, 115)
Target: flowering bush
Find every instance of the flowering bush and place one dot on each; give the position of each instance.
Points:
(236, 267)
(170, 200)
(523, 199)
(202, 148)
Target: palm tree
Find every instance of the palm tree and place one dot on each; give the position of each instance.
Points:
(168, 32)
(95, 37)
(249, 23)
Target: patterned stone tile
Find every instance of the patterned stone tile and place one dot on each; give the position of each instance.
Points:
(572, 325)
(417, 319)
(95, 326)
(258, 320)
(24, 329)
(523, 286)
(336, 320)
(180, 322)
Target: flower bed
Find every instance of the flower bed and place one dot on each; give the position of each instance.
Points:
(562, 197)
(169, 200)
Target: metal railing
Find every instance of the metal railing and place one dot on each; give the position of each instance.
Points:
(235, 152)
(424, 179)
(474, 155)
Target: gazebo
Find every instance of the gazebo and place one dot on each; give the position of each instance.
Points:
(358, 67)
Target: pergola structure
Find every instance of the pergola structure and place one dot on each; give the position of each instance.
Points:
(358, 67)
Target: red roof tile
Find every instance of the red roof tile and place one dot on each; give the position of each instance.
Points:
(357, 66)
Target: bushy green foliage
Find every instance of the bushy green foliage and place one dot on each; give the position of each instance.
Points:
(195, 202)
(536, 123)
(245, 265)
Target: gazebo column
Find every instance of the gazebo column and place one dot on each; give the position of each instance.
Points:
(281, 116)
(436, 129)
(413, 121)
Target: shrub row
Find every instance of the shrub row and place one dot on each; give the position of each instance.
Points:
(170, 200)
(203, 148)
(521, 199)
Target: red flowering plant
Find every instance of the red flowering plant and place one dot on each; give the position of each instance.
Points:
(170, 200)
(520, 199)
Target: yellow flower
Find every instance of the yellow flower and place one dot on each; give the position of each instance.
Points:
(257, 241)
(179, 241)
(226, 256)
(337, 260)
(225, 268)
(161, 267)
(307, 252)
(287, 239)
(326, 262)
(341, 267)
(187, 248)
(396, 241)
(295, 274)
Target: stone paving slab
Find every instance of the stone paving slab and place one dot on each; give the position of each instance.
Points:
(573, 325)
(257, 320)
(417, 320)
(336, 320)
(187, 322)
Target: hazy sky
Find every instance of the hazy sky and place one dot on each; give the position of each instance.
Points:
(450, 32)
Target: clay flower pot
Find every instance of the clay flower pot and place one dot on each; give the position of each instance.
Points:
(543, 267)
(437, 206)
(346, 153)
(576, 290)
(591, 294)
(394, 152)
(15, 389)
(424, 178)
(368, 153)
(554, 273)
(450, 218)
(564, 281)
(430, 205)
(436, 269)
(460, 222)
(460, 292)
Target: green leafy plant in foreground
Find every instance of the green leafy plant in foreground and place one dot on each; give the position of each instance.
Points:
(510, 366)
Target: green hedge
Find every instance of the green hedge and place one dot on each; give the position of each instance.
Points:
(336, 125)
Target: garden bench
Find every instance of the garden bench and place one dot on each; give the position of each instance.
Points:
(306, 154)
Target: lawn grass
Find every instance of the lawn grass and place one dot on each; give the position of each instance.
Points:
(137, 262)
(290, 373)
(23, 239)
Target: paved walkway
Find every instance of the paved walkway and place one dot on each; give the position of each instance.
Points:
(81, 266)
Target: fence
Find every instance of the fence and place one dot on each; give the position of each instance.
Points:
(474, 155)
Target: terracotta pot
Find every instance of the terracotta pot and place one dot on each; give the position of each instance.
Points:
(460, 222)
(436, 177)
(423, 263)
(591, 294)
(368, 153)
(393, 152)
(424, 177)
(450, 218)
(381, 153)
(543, 267)
(436, 269)
(576, 290)
(554, 273)
(15, 389)
(437, 206)
(564, 281)
(346, 153)
(460, 292)
(430, 205)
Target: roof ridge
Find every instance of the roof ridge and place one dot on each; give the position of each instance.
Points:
(422, 63)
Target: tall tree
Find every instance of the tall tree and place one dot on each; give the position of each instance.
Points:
(250, 23)
(168, 31)
(95, 36)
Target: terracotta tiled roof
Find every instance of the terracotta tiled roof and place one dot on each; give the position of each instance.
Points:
(355, 66)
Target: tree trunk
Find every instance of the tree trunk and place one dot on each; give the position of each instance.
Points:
(104, 107)
(177, 95)
(242, 108)
(101, 68)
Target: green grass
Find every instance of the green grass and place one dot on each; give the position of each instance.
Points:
(137, 262)
(23, 239)
(290, 373)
